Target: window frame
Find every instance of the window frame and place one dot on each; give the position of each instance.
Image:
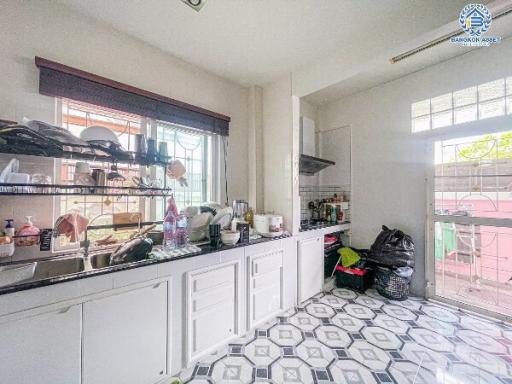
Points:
(505, 98)
(148, 206)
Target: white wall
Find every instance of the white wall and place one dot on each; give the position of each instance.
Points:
(255, 148)
(335, 145)
(389, 164)
(43, 28)
(278, 148)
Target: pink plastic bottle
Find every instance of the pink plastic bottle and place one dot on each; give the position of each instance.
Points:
(171, 214)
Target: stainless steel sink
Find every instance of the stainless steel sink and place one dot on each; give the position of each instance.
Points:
(17, 273)
(100, 260)
(58, 267)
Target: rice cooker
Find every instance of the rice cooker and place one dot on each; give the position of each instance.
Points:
(268, 225)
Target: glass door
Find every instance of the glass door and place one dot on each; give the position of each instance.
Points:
(471, 227)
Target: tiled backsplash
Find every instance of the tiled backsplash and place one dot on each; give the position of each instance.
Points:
(319, 192)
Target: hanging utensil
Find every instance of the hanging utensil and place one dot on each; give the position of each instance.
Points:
(114, 174)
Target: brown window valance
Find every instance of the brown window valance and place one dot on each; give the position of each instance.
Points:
(59, 80)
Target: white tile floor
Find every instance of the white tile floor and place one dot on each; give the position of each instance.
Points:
(349, 338)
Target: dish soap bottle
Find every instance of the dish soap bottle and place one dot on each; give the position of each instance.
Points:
(171, 214)
(9, 228)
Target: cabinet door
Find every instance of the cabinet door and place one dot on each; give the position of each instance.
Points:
(212, 308)
(125, 337)
(43, 348)
(311, 267)
(265, 286)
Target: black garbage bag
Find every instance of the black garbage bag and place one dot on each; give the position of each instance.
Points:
(392, 248)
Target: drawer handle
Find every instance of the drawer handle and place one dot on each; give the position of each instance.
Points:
(64, 310)
(156, 285)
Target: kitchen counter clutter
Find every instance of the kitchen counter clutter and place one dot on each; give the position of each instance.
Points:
(74, 267)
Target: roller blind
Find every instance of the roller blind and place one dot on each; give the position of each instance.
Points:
(59, 80)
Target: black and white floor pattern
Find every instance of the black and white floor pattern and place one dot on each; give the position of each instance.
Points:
(349, 338)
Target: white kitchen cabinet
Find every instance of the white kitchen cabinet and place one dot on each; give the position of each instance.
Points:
(265, 286)
(42, 348)
(125, 337)
(311, 267)
(213, 308)
(290, 274)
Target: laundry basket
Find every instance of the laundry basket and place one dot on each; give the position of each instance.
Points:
(390, 285)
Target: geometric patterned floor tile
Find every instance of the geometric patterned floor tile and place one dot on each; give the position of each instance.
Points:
(345, 337)
(291, 370)
(399, 312)
(315, 353)
(465, 373)
(396, 326)
(381, 338)
(304, 321)
(351, 372)
(359, 311)
(431, 340)
(369, 355)
(441, 327)
(408, 373)
(481, 341)
(332, 336)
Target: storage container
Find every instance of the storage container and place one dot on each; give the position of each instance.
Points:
(354, 278)
(390, 285)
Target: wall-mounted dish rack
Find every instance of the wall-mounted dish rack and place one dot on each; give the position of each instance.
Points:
(9, 189)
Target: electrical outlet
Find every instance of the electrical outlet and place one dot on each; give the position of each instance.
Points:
(195, 4)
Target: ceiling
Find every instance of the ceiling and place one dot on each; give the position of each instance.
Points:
(379, 69)
(256, 41)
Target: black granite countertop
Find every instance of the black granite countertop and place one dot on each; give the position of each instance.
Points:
(205, 249)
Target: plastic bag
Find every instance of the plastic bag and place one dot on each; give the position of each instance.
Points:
(392, 248)
(348, 257)
(405, 272)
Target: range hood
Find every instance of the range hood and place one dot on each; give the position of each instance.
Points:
(309, 165)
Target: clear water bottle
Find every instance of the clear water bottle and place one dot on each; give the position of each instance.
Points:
(181, 238)
(170, 224)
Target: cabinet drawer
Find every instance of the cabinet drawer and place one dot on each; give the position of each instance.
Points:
(266, 280)
(212, 309)
(269, 246)
(267, 263)
(213, 327)
(210, 279)
(209, 299)
(266, 302)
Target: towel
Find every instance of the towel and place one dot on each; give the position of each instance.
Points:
(72, 225)
(349, 257)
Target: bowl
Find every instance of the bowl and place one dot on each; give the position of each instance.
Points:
(198, 234)
(230, 237)
(99, 133)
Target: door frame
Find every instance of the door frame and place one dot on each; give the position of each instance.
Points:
(431, 218)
